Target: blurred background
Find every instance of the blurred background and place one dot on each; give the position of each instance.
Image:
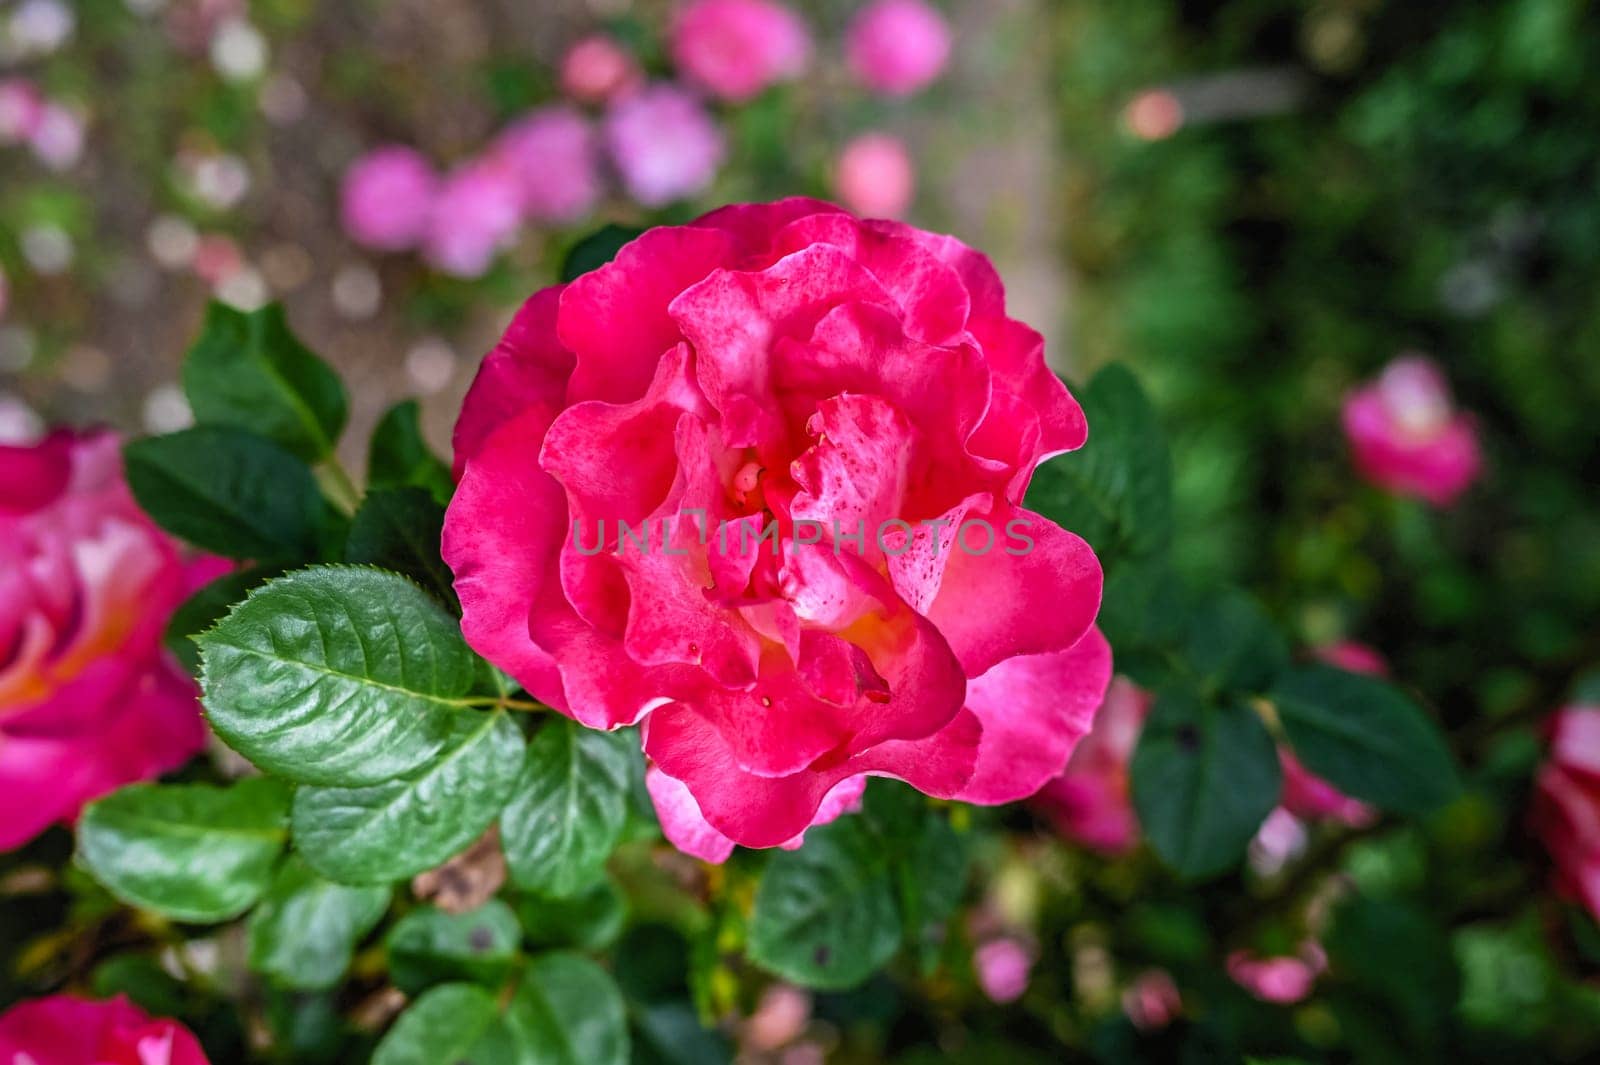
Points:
(1256, 204)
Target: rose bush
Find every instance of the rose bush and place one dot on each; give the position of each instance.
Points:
(89, 700)
(788, 365)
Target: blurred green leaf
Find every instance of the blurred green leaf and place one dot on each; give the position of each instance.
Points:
(569, 808)
(337, 675)
(304, 931)
(249, 371)
(191, 852)
(388, 831)
(1204, 778)
(827, 915)
(230, 492)
(429, 946)
(589, 920)
(568, 1011)
(399, 529)
(455, 1024)
(1366, 738)
(399, 456)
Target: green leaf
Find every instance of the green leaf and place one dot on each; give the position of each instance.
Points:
(191, 852)
(399, 529)
(248, 371)
(400, 458)
(230, 492)
(595, 250)
(456, 1024)
(1366, 738)
(568, 1011)
(1116, 491)
(929, 861)
(429, 946)
(1204, 778)
(1232, 645)
(304, 932)
(569, 808)
(337, 675)
(206, 607)
(401, 827)
(826, 915)
(670, 1033)
(591, 920)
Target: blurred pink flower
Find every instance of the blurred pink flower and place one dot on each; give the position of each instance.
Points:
(20, 108)
(66, 1030)
(1565, 814)
(1154, 114)
(1281, 980)
(1003, 967)
(1090, 802)
(89, 700)
(1152, 1001)
(597, 69)
(1407, 435)
(875, 177)
(897, 47)
(554, 155)
(57, 137)
(387, 197)
(664, 144)
(734, 49)
(1308, 796)
(1280, 839)
(1354, 657)
(687, 829)
(216, 258)
(476, 214)
(779, 1019)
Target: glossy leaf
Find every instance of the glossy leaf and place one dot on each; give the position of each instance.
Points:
(1204, 778)
(456, 1024)
(399, 529)
(337, 675)
(1366, 738)
(304, 931)
(249, 371)
(569, 808)
(191, 852)
(400, 458)
(393, 830)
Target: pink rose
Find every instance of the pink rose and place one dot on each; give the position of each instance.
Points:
(1152, 1001)
(1280, 980)
(1565, 813)
(666, 147)
(734, 49)
(387, 197)
(64, 1030)
(20, 109)
(553, 154)
(778, 371)
(875, 176)
(475, 216)
(597, 69)
(1308, 796)
(1407, 436)
(1003, 967)
(687, 829)
(897, 47)
(89, 701)
(1090, 802)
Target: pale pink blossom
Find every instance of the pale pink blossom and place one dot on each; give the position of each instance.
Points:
(1281, 980)
(734, 49)
(875, 176)
(1003, 967)
(553, 154)
(387, 198)
(597, 69)
(898, 47)
(1407, 435)
(476, 213)
(665, 145)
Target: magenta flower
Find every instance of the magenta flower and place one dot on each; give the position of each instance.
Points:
(475, 216)
(596, 70)
(783, 370)
(875, 176)
(89, 700)
(733, 49)
(1566, 805)
(387, 197)
(687, 829)
(554, 156)
(1280, 980)
(1091, 802)
(898, 47)
(1407, 436)
(664, 144)
(64, 1030)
